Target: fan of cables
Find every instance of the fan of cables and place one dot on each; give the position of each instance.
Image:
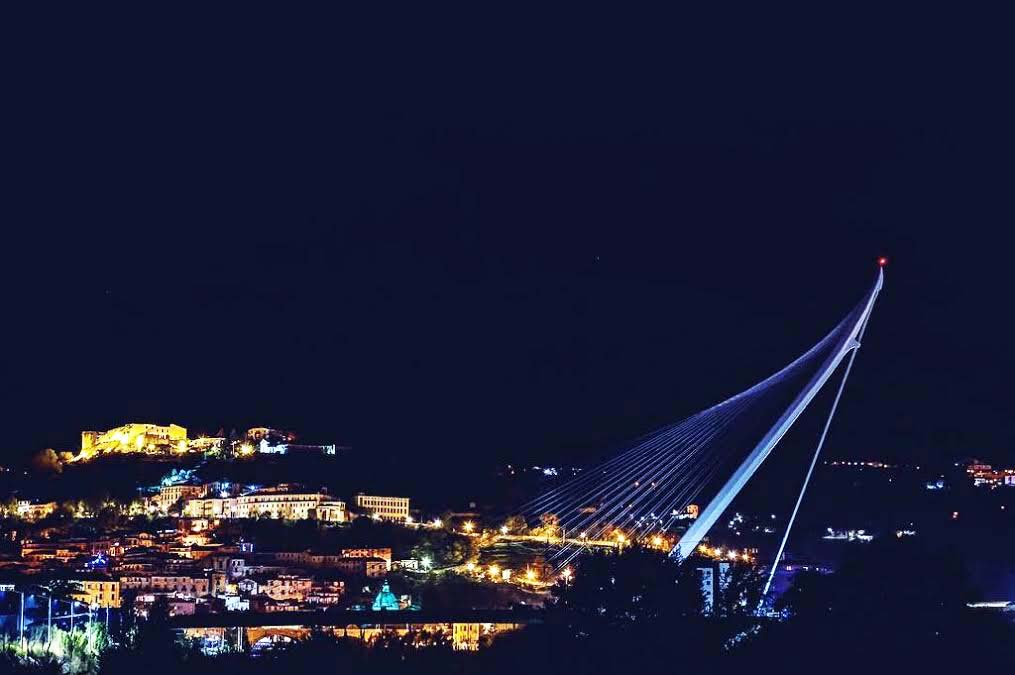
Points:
(644, 492)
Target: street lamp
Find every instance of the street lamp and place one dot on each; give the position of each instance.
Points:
(21, 622)
(94, 607)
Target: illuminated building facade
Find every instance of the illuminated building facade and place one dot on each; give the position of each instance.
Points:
(267, 441)
(370, 562)
(326, 592)
(170, 494)
(30, 511)
(988, 476)
(207, 444)
(331, 511)
(64, 551)
(134, 438)
(382, 553)
(258, 434)
(280, 505)
(266, 447)
(187, 586)
(269, 504)
(287, 587)
(211, 508)
(233, 568)
(384, 508)
(386, 600)
(98, 593)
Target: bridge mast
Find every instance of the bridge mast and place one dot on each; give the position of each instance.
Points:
(689, 542)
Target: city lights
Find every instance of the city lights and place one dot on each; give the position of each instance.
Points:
(299, 578)
(597, 299)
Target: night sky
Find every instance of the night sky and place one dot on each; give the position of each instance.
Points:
(518, 253)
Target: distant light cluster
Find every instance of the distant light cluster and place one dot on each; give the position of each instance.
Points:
(861, 464)
(985, 475)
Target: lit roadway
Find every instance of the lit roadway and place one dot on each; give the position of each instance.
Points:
(576, 541)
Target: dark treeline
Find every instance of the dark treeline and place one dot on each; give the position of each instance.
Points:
(893, 606)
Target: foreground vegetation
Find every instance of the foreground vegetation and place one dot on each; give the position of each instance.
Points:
(894, 606)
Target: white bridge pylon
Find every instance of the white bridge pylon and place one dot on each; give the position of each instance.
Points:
(708, 516)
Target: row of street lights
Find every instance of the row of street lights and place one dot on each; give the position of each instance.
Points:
(495, 573)
(22, 638)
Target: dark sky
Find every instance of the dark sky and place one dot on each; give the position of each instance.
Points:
(497, 247)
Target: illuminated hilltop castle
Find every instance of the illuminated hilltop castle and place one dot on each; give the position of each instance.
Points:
(153, 439)
(134, 438)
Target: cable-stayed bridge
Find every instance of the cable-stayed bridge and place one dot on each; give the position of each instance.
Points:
(643, 492)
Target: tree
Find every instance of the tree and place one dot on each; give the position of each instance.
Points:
(62, 589)
(549, 525)
(108, 519)
(47, 462)
(150, 647)
(57, 591)
(516, 525)
(739, 594)
(634, 609)
(67, 509)
(444, 548)
(10, 507)
(898, 603)
(611, 590)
